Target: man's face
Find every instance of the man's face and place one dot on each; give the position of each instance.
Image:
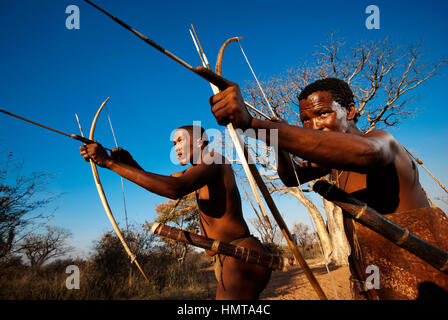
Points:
(320, 112)
(183, 146)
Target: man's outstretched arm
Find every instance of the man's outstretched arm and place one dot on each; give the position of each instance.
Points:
(336, 150)
(167, 186)
(344, 151)
(289, 171)
(172, 187)
(125, 157)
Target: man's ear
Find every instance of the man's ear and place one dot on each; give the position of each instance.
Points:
(351, 112)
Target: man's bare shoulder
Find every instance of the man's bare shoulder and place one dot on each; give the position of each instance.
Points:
(389, 150)
(378, 133)
(384, 138)
(401, 155)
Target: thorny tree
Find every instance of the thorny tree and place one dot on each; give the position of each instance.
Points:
(183, 214)
(303, 236)
(382, 76)
(20, 198)
(39, 248)
(271, 238)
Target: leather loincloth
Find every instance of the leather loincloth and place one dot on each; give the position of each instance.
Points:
(402, 275)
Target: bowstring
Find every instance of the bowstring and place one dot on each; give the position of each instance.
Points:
(121, 178)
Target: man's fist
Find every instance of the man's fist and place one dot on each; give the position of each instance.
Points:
(96, 152)
(228, 106)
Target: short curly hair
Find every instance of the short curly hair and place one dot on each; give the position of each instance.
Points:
(339, 89)
(191, 128)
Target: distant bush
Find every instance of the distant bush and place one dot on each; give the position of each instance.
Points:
(108, 274)
(310, 252)
(274, 248)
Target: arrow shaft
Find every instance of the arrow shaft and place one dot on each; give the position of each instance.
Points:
(209, 76)
(35, 123)
(143, 37)
(73, 136)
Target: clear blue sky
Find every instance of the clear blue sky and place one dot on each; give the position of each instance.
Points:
(48, 73)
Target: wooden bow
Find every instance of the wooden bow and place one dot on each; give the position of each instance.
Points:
(255, 175)
(220, 83)
(102, 195)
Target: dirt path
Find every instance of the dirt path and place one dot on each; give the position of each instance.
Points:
(293, 284)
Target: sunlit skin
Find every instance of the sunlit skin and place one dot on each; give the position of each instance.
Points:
(218, 199)
(388, 180)
(182, 147)
(321, 112)
(373, 166)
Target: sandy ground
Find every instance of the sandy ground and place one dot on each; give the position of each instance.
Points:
(294, 285)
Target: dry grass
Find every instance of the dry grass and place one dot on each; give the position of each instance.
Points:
(109, 275)
(167, 280)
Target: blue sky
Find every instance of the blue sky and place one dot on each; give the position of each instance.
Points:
(47, 73)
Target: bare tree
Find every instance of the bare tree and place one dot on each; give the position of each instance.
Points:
(184, 214)
(20, 198)
(267, 236)
(382, 76)
(302, 235)
(40, 248)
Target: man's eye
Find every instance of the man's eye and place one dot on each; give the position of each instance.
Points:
(324, 114)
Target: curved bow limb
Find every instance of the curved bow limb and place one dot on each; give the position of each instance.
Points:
(102, 195)
(266, 194)
(218, 67)
(218, 70)
(238, 142)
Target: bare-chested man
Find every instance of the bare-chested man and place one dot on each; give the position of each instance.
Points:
(221, 216)
(371, 166)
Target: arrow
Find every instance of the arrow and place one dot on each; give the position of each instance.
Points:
(73, 136)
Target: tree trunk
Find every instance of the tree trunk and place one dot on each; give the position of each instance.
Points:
(183, 255)
(341, 248)
(318, 221)
(6, 246)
